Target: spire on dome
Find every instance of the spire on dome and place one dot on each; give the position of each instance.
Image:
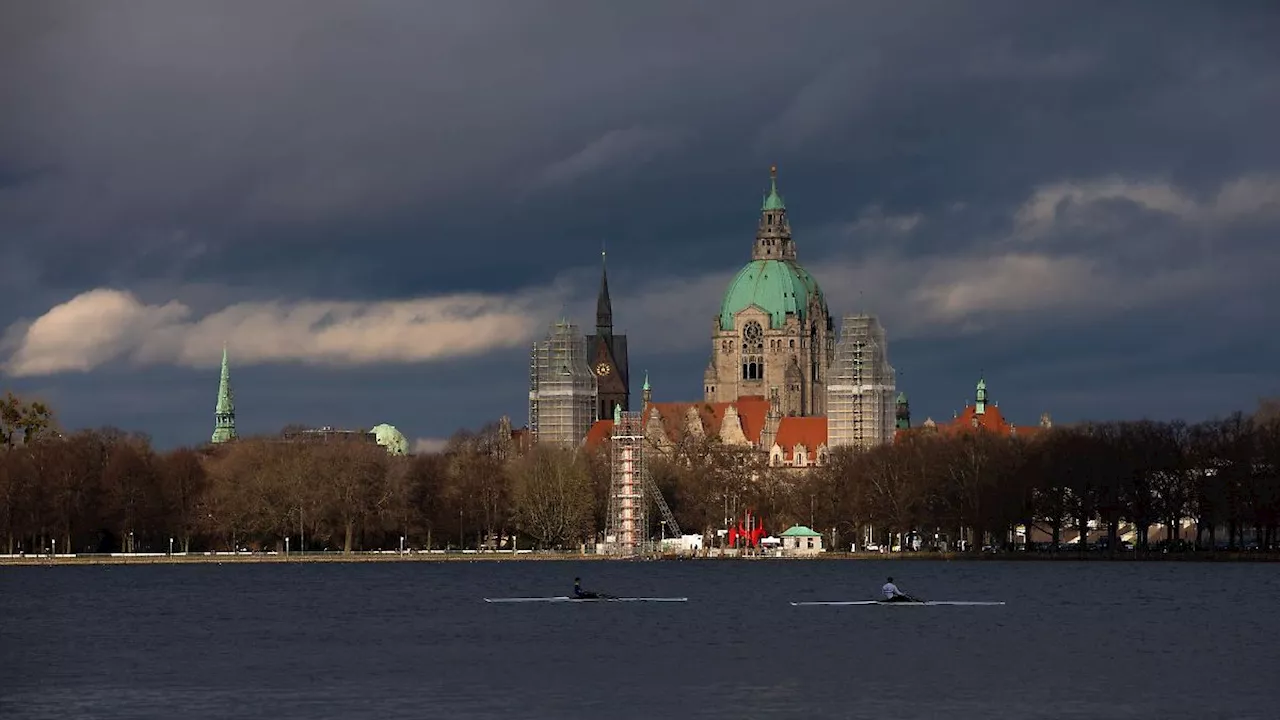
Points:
(773, 237)
(981, 407)
(773, 201)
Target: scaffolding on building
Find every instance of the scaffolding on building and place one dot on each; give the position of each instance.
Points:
(562, 387)
(631, 489)
(860, 396)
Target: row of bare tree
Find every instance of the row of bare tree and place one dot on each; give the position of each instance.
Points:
(106, 490)
(1215, 477)
(109, 491)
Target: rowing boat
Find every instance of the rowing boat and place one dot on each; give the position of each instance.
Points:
(882, 602)
(566, 598)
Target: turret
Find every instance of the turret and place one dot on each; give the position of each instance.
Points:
(980, 408)
(645, 390)
(772, 421)
(773, 237)
(903, 412)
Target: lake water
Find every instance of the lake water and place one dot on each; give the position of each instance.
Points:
(415, 640)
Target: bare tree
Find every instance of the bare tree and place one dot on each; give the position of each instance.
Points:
(553, 495)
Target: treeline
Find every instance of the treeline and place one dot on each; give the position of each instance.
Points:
(1221, 475)
(109, 491)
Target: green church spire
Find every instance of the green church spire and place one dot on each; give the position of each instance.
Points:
(224, 413)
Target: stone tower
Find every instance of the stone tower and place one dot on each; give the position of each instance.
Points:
(608, 355)
(224, 413)
(774, 330)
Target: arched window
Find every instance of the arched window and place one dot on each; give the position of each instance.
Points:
(752, 351)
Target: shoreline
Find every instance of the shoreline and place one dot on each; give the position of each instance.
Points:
(440, 557)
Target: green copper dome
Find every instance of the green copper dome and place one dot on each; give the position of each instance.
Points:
(777, 287)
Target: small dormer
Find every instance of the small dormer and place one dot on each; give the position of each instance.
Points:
(776, 458)
(799, 455)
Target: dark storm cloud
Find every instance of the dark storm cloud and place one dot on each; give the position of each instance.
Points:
(222, 153)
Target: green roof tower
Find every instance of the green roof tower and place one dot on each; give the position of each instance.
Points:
(224, 413)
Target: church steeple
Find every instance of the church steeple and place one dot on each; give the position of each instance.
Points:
(604, 308)
(903, 412)
(773, 237)
(980, 408)
(224, 413)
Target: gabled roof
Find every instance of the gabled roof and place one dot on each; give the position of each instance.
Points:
(800, 531)
(673, 416)
(808, 431)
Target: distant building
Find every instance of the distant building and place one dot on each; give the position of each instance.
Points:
(607, 355)
(860, 392)
(563, 391)
(328, 434)
(773, 331)
(980, 416)
(224, 412)
(391, 439)
(801, 540)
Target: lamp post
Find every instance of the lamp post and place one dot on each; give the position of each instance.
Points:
(286, 546)
(171, 545)
(130, 541)
(55, 547)
(401, 544)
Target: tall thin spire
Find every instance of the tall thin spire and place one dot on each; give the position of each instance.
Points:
(224, 413)
(604, 308)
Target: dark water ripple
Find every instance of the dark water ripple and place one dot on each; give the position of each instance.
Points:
(414, 640)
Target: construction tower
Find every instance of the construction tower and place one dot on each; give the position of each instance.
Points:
(631, 489)
(861, 407)
(562, 387)
(627, 532)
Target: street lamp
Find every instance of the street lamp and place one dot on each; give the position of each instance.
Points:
(170, 545)
(401, 544)
(286, 546)
(130, 541)
(55, 547)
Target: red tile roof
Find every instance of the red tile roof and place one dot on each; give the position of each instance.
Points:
(751, 413)
(991, 421)
(808, 431)
(601, 431)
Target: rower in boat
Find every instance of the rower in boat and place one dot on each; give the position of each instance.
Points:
(893, 594)
(581, 594)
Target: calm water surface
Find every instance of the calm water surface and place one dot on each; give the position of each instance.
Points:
(415, 640)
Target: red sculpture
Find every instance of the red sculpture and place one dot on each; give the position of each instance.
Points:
(750, 529)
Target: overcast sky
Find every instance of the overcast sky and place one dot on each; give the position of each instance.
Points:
(377, 206)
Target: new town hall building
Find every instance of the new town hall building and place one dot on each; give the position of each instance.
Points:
(779, 378)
